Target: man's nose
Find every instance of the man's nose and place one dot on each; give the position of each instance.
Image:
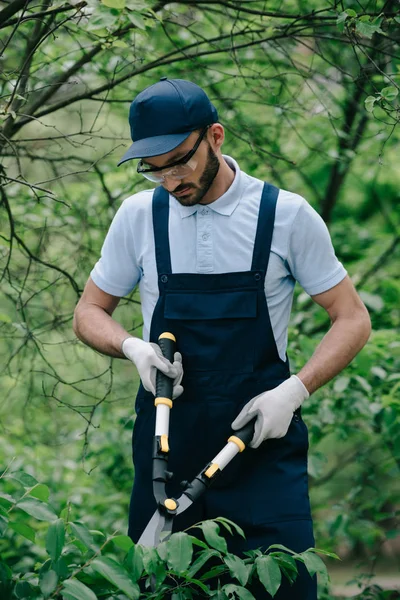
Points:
(171, 184)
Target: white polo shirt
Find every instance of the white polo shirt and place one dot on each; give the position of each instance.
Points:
(219, 238)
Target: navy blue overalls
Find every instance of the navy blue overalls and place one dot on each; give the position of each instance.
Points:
(223, 330)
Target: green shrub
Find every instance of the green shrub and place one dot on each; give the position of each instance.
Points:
(45, 555)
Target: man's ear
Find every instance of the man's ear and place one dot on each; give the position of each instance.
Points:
(216, 136)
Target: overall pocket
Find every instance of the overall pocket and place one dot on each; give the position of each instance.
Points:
(215, 330)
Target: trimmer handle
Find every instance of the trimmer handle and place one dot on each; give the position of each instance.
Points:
(246, 433)
(163, 404)
(164, 384)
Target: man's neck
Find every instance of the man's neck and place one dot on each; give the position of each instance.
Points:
(221, 183)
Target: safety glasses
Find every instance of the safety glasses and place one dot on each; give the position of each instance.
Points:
(177, 170)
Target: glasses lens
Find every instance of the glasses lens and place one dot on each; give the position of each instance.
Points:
(156, 177)
(177, 172)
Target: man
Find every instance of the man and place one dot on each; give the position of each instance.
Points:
(216, 254)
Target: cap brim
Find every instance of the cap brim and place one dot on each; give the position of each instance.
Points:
(154, 146)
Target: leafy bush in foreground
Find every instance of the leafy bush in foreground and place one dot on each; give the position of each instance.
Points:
(51, 556)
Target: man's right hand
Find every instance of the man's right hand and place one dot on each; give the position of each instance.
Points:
(148, 357)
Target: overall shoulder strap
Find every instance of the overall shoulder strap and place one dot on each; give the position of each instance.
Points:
(160, 226)
(265, 228)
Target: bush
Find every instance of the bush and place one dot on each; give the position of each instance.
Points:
(45, 555)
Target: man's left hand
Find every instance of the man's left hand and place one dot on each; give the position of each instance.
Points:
(274, 410)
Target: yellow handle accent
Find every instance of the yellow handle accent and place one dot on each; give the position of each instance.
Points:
(164, 443)
(161, 400)
(170, 504)
(170, 336)
(238, 442)
(212, 469)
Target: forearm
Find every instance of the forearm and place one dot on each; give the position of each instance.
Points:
(96, 328)
(337, 349)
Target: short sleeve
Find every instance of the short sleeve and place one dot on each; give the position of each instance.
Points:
(311, 256)
(117, 271)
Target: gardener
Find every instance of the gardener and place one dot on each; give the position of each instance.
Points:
(216, 254)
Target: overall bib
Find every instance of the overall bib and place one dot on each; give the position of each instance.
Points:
(223, 330)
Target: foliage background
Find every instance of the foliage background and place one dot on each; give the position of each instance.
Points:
(308, 96)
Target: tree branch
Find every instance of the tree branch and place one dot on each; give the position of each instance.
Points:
(10, 10)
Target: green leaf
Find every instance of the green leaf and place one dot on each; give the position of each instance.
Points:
(3, 525)
(23, 529)
(315, 564)
(123, 541)
(197, 542)
(118, 4)
(137, 5)
(24, 590)
(154, 565)
(201, 560)
(324, 552)
(37, 509)
(81, 547)
(179, 595)
(367, 29)
(341, 384)
(162, 551)
(150, 559)
(137, 20)
(211, 530)
(61, 567)
(369, 103)
(351, 12)
(78, 590)
(179, 552)
(82, 533)
(269, 573)
(389, 93)
(199, 584)
(41, 492)
(397, 19)
(286, 560)
(5, 572)
(24, 478)
(287, 564)
(379, 372)
(48, 583)
(55, 539)
(134, 562)
(230, 590)
(342, 17)
(280, 547)
(6, 500)
(238, 568)
(120, 44)
(65, 513)
(225, 522)
(364, 383)
(117, 575)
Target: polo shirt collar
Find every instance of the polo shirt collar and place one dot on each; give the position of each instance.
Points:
(225, 204)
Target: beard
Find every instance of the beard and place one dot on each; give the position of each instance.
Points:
(197, 192)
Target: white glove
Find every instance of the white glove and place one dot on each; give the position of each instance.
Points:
(148, 358)
(274, 410)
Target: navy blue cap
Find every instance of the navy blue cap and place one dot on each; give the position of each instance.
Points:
(165, 114)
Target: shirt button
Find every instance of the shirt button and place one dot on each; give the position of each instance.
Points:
(205, 236)
(204, 211)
